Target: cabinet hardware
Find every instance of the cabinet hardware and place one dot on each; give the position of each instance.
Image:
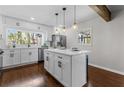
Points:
(59, 64)
(11, 51)
(60, 57)
(47, 58)
(17, 24)
(30, 53)
(11, 55)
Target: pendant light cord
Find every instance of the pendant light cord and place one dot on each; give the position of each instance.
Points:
(56, 19)
(64, 9)
(75, 14)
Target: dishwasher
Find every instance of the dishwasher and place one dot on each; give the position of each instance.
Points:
(1, 61)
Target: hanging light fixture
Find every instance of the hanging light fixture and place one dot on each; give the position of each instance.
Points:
(64, 27)
(75, 23)
(56, 27)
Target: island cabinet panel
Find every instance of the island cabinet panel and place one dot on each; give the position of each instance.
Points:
(70, 70)
(79, 70)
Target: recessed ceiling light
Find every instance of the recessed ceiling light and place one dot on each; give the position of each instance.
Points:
(32, 18)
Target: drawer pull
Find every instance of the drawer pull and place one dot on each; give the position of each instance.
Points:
(47, 58)
(59, 64)
(30, 53)
(11, 55)
(60, 57)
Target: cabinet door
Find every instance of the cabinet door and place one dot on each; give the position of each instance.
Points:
(51, 63)
(66, 72)
(24, 56)
(16, 57)
(7, 60)
(58, 68)
(33, 55)
(46, 60)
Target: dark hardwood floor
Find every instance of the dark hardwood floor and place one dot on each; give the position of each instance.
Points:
(36, 76)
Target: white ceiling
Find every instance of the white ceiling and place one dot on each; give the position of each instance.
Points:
(44, 14)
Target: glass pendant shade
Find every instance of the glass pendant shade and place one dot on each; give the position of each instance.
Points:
(75, 26)
(64, 28)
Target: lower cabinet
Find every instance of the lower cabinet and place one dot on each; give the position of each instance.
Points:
(13, 57)
(24, 56)
(49, 62)
(59, 66)
(70, 70)
(29, 55)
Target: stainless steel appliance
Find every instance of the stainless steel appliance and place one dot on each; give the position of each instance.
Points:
(41, 53)
(58, 41)
(1, 60)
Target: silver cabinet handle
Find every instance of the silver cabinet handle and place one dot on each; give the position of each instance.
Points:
(47, 58)
(60, 57)
(60, 64)
(30, 53)
(11, 54)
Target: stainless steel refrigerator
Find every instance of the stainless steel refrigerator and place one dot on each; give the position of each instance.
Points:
(58, 41)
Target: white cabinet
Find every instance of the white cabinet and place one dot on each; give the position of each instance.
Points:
(24, 56)
(29, 55)
(49, 62)
(63, 68)
(11, 57)
(58, 68)
(33, 55)
(68, 68)
(46, 60)
(58, 65)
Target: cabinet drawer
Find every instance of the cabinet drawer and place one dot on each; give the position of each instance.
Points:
(11, 51)
(63, 57)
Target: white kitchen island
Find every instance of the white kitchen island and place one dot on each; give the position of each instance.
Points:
(67, 66)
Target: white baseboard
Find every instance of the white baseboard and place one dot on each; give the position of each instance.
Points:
(108, 69)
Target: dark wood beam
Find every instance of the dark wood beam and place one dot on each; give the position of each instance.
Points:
(103, 11)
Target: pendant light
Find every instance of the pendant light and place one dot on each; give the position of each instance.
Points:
(64, 27)
(75, 23)
(56, 27)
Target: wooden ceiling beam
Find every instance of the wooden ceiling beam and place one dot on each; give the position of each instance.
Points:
(103, 11)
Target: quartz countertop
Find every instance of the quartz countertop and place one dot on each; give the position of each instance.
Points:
(68, 51)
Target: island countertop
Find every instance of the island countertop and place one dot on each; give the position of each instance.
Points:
(67, 51)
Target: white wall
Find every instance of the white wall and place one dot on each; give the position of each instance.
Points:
(27, 26)
(107, 49)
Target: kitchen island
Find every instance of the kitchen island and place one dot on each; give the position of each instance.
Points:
(67, 66)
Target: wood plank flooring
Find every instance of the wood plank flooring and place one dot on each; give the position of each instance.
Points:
(36, 76)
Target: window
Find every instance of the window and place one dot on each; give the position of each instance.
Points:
(18, 38)
(85, 37)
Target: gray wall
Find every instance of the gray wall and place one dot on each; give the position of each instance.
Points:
(107, 48)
